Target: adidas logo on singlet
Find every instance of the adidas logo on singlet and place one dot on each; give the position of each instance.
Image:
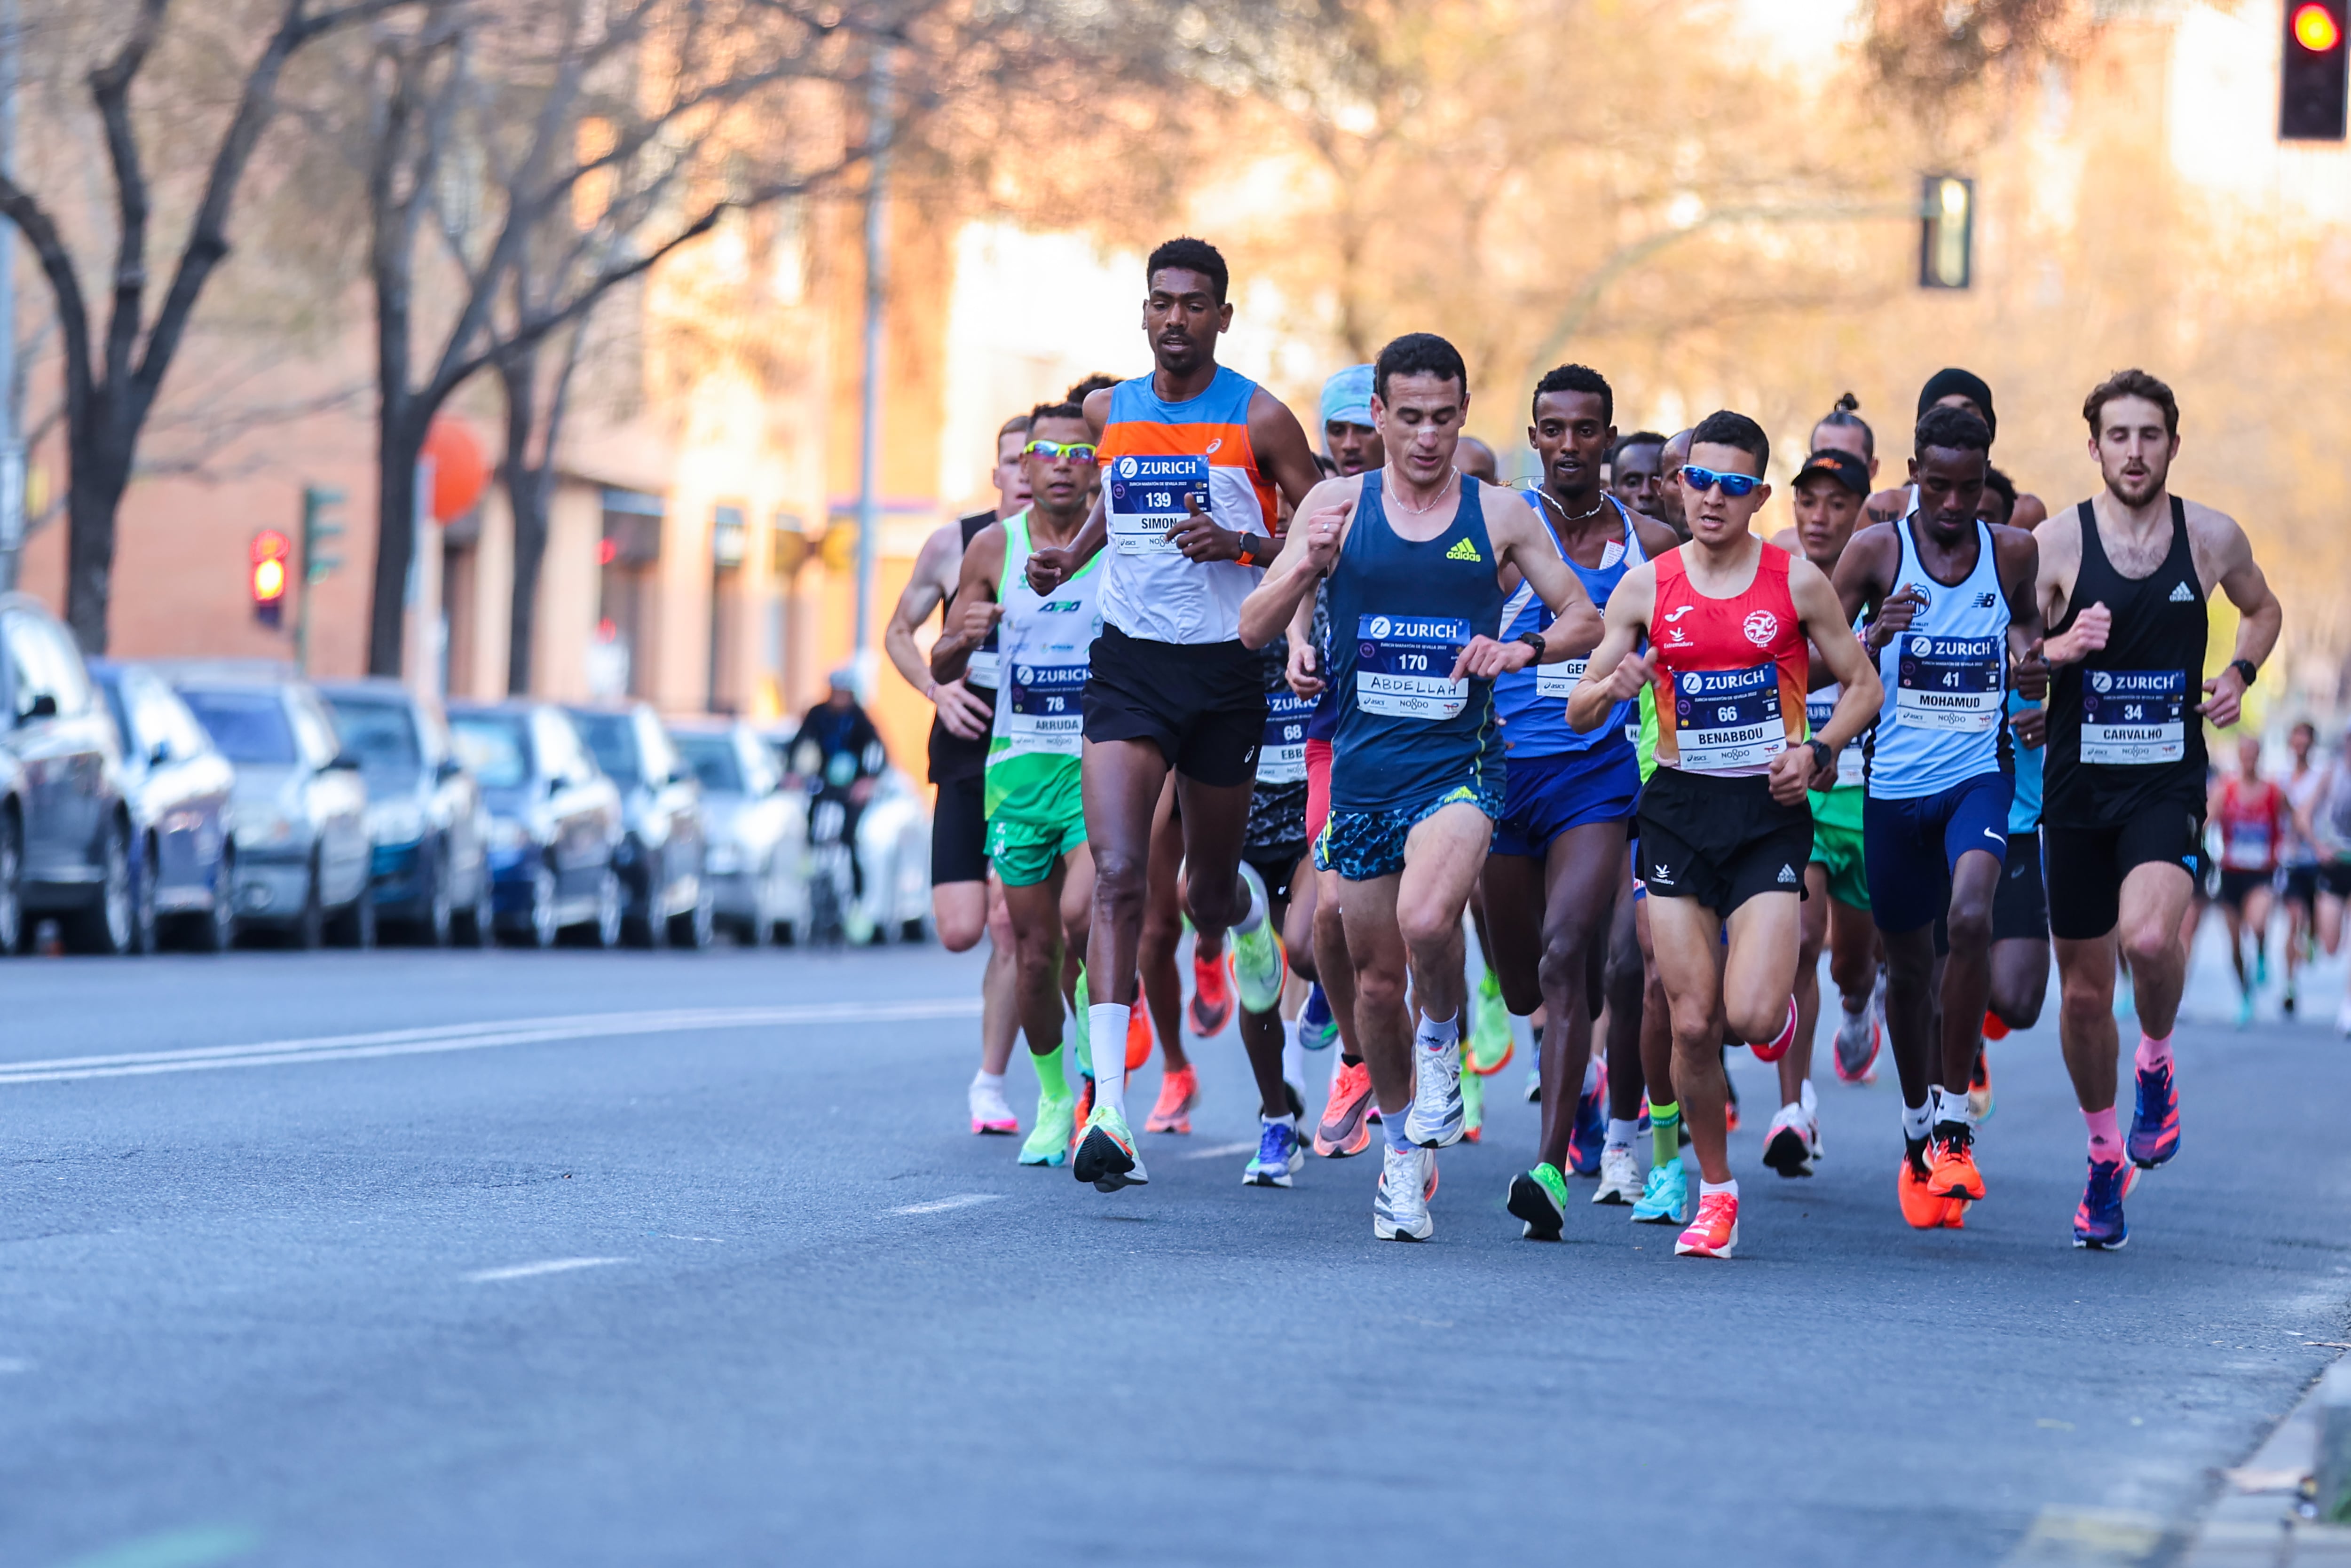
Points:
(2179, 595)
(1463, 550)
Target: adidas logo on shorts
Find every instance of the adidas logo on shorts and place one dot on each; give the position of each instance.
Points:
(1787, 873)
(1463, 550)
(2179, 595)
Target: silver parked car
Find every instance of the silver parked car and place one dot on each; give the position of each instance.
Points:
(297, 816)
(660, 859)
(426, 819)
(177, 785)
(755, 830)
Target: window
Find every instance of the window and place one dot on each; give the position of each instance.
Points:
(383, 737)
(314, 730)
(44, 663)
(714, 762)
(612, 738)
(493, 746)
(250, 726)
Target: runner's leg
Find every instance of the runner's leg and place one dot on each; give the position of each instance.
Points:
(1122, 781)
(1582, 873)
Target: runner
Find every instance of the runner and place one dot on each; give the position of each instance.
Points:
(2124, 579)
(1274, 846)
(2251, 815)
(1829, 490)
(1671, 503)
(1194, 458)
(1557, 856)
(2020, 910)
(1724, 826)
(1954, 388)
(1844, 429)
(1414, 553)
(1036, 819)
(1951, 608)
(1633, 473)
(2327, 822)
(2298, 884)
(964, 903)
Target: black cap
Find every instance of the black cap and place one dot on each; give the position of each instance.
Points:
(1839, 464)
(1953, 381)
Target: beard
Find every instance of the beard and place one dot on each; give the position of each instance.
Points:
(2137, 490)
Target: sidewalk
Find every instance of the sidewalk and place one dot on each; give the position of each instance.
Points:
(2260, 1519)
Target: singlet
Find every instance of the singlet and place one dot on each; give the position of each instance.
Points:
(2300, 797)
(1730, 672)
(2124, 733)
(2025, 806)
(954, 758)
(1946, 678)
(2251, 826)
(2332, 820)
(1533, 702)
(1851, 761)
(1152, 455)
(1047, 647)
(1401, 612)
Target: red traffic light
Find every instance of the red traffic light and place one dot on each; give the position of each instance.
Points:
(270, 545)
(2315, 28)
(270, 550)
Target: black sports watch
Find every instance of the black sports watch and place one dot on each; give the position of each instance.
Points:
(2246, 669)
(1824, 760)
(1535, 639)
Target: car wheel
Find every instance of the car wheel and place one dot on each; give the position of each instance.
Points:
(145, 933)
(12, 890)
(539, 929)
(213, 930)
(697, 927)
(440, 909)
(475, 924)
(610, 901)
(107, 924)
(309, 931)
(644, 926)
(354, 926)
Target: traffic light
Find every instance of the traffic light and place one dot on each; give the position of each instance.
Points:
(319, 525)
(1947, 231)
(2310, 72)
(270, 551)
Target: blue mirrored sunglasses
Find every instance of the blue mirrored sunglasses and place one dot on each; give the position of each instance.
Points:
(1076, 451)
(1704, 479)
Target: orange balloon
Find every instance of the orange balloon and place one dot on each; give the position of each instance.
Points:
(460, 470)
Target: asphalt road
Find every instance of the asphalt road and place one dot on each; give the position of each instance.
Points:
(708, 1271)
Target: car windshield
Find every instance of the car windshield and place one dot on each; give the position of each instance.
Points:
(613, 738)
(248, 727)
(713, 759)
(491, 745)
(383, 737)
(114, 704)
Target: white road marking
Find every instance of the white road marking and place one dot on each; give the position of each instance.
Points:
(475, 1037)
(941, 1205)
(528, 1270)
(1219, 1151)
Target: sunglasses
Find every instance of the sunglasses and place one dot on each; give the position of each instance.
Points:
(1704, 479)
(1051, 451)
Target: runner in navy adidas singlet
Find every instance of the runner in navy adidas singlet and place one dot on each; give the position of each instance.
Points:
(1416, 553)
(1725, 829)
(2124, 579)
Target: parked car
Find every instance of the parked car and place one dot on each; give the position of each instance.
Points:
(555, 821)
(661, 804)
(891, 827)
(297, 816)
(427, 824)
(178, 787)
(65, 826)
(757, 830)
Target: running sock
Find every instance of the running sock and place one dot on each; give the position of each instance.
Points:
(1709, 1189)
(1591, 1074)
(1052, 1080)
(2106, 1136)
(2154, 1054)
(1950, 1107)
(1664, 1132)
(1917, 1121)
(1620, 1134)
(1436, 1034)
(1107, 1021)
(1391, 1125)
(984, 1078)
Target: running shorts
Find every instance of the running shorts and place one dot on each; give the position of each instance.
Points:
(1277, 871)
(2085, 866)
(1912, 846)
(1024, 848)
(2300, 885)
(1721, 841)
(2020, 910)
(1364, 845)
(1202, 703)
(1543, 797)
(2335, 879)
(2237, 884)
(959, 832)
(1318, 787)
(1836, 844)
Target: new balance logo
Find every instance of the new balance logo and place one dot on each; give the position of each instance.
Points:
(1463, 550)
(1787, 874)
(2182, 595)
(1984, 600)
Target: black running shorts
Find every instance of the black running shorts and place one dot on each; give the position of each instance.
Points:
(959, 833)
(1202, 703)
(2020, 910)
(2236, 885)
(2086, 866)
(1721, 841)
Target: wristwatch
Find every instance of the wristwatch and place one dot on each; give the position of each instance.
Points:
(1533, 640)
(1824, 760)
(2246, 669)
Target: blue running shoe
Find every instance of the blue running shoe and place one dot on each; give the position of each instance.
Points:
(1279, 1156)
(1665, 1196)
(1591, 1131)
(2154, 1120)
(2098, 1223)
(1317, 1029)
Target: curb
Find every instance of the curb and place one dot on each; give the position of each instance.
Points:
(2259, 1520)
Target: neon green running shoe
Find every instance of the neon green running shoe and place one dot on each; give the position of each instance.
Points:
(1107, 1155)
(1490, 1045)
(1539, 1197)
(1079, 1023)
(1473, 1107)
(1258, 966)
(1047, 1143)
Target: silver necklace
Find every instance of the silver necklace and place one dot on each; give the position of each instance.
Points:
(1423, 511)
(1597, 501)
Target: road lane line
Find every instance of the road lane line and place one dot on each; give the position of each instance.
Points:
(941, 1205)
(1219, 1151)
(475, 1037)
(530, 1271)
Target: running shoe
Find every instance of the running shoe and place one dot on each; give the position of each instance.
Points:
(1490, 1045)
(1775, 1048)
(1400, 1209)
(2285, 1001)
(1729, 1110)
(1665, 1196)
(1212, 996)
(1858, 1038)
(2342, 1018)
(1345, 1128)
(1788, 1145)
(1714, 1232)
(1920, 1209)
(1590, 1134)
(1951, 1164)
(1178, 1092)
(1049, 1141)
(1534, 1074)
(1473, 1106)
(2098, 1223)
(1138, 1035)
(1318, 1026)
(2261, 967)
(1994, 1027)
(1539, 1197)
(1437, 1116)
(989, 1112)
(1084, 1110)
(1107, 1155)
(2245, 1010)
(1259, 966)
(1981, 1104)
(1620, 1177)
(1082, 1020)
(2154, 1119)
(1279, 1156)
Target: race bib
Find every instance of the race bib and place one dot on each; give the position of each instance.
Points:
(1146, 498)
(1282, 759)
(1725, 720)
(2246, 846)
(1557, 680)
(1950, 682)
(1046, 718)
(2133, 718)
(1404, 666)
(1819, 708)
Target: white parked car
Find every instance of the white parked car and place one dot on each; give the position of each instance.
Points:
(755, 830)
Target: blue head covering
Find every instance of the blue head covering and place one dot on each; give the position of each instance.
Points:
(1347, 397)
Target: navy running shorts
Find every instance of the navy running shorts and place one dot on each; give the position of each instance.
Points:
(1909, 848)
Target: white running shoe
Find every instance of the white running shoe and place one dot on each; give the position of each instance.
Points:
(990, 1110)
(1620, 1177)
(1787, 1145)
(1400, 1209)
(1438, 1117)
(2342, 1018)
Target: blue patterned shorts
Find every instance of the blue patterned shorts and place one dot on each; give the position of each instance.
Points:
(1362, 845)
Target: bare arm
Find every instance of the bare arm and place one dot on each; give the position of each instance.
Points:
(2019, 560)
(1615, 673)
(1521, 539)
(1305, 669)
(1307, 552)
(974, 608)
(1821, 608)
(935, 569)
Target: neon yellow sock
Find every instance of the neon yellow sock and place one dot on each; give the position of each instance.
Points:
(1665, 1133)
(1049, 1076)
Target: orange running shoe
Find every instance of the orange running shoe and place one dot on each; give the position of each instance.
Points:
(1212, 996)
(1178, 1092)
(1138, 1036)
(1920, 1207)
(1992, 1028)
(1955, 1214)
(1714, 1232)
(1085, 1110)
(1952, 1173)
(1346, 1125)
